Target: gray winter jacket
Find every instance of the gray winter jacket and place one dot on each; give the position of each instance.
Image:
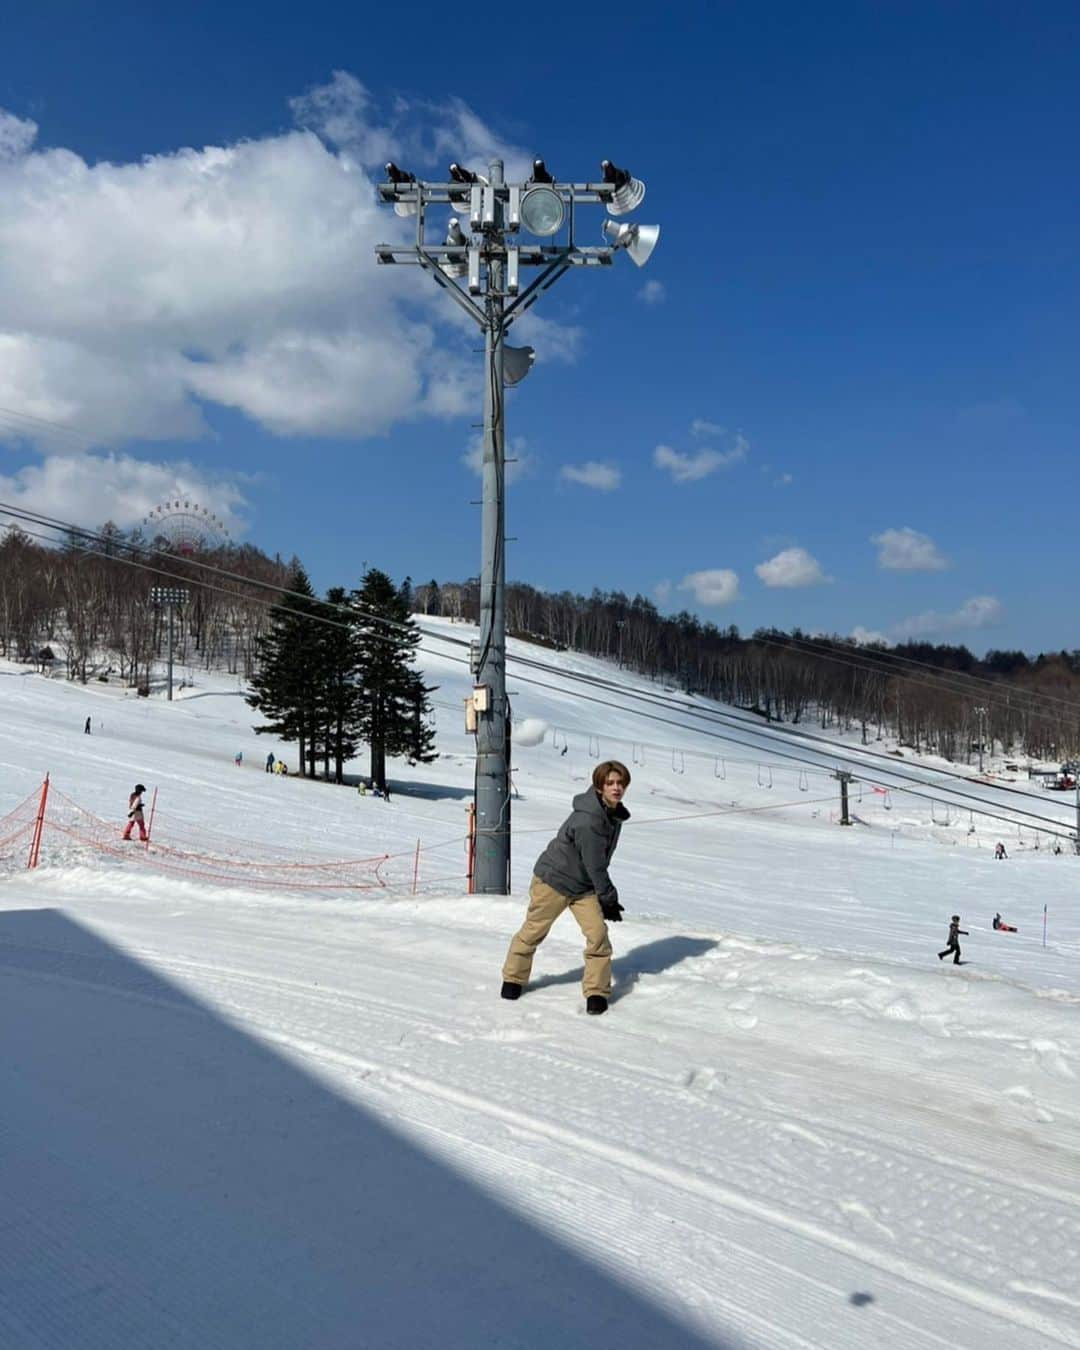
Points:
(575, 863)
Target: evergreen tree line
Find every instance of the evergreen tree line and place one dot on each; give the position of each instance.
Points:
(337, 674)
(870, 689)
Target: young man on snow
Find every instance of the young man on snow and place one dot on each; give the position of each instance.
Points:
(954, 940)
(571, 873)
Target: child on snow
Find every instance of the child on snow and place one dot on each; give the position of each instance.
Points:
(954, 940)
(1001, 926)
(135, 814)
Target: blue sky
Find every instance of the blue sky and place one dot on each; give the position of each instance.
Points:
(842, 395)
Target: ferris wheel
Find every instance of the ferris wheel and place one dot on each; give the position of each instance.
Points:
(186, 526)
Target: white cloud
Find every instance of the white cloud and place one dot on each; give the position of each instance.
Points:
(652, 293)
(699, 427)
(341, 112)
(865, 636)
(716, 586)
(790, 568)
(688, 468)
(553, 341)
(906, 550)
(980, 611)
(784, 480)
(16, 135)
(135, 294)
(603, 477)
(519, 463)
(91, 489)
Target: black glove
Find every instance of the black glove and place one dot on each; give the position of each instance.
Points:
(611, 909)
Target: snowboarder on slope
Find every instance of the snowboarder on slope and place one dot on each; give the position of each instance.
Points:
(135, 814)
(954, 940)
(999, 851)
(1001, 926)
(571, 873)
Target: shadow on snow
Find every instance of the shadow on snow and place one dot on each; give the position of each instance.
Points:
(168, 1180)
(652, 958)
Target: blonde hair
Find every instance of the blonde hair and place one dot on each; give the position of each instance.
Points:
(600, 773)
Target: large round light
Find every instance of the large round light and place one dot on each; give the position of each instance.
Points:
(542, 211)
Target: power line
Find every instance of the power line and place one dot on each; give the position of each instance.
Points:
(712, 716)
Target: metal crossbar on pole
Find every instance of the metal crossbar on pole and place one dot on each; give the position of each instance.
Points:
(490, 258)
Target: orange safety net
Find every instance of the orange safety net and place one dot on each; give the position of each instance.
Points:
(17, 827)
(202, 855)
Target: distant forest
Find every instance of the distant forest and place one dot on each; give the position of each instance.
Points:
(90, 598)
(1026, 705)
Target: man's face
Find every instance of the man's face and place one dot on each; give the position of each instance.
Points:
(611, 794)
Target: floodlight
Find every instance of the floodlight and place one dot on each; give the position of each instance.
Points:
(638, 240)
(542, 211)
(455, 238)
(517, 362)
(540, 173)
(629, 192)
(399, 176)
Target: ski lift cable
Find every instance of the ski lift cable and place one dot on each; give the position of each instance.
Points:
(693, 710)
(716, 716)
(786, 735)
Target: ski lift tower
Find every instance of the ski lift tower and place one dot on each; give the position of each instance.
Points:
(1072, 768)
(496, 234)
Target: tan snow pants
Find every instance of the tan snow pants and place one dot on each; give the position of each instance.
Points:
(545, 906)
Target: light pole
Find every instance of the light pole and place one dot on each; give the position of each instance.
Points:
(489, 257)
(980, 713)
(169, 598)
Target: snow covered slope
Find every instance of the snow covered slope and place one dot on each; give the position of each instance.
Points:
(242, 1117)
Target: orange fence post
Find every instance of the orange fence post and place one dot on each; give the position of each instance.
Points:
(470, 846)
(150, 827)
(39, 821)
(416, 867)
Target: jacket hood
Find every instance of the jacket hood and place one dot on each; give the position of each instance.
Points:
(589, 802)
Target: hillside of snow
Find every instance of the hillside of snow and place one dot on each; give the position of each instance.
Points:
(243, 1107)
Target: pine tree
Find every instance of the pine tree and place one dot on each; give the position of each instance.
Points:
(337, 689)
(283, 686)
(393, 702)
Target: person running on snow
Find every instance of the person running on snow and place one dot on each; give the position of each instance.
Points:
(954, 940)
(572, 873)
(135, 814)
(999, 851)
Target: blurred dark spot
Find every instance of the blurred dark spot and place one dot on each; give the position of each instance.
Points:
(861, 1300)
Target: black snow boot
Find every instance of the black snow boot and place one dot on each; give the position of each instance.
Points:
(510, 990)
(596, 1003)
